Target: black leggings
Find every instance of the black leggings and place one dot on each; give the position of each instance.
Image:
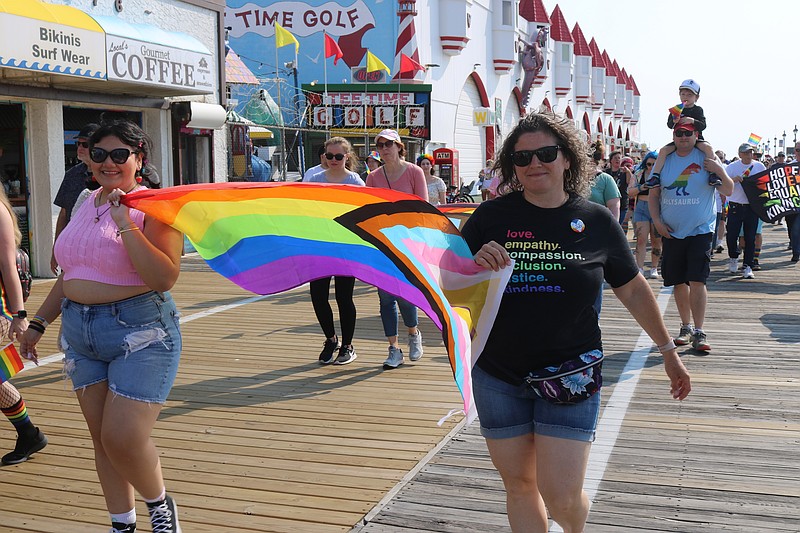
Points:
(320, 293)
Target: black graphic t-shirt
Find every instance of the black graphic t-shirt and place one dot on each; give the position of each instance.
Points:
(561, 257)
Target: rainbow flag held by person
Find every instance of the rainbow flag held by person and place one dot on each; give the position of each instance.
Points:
(10, 362)
(754, 139)
(675, 112)
(272, 237)
(457, 213)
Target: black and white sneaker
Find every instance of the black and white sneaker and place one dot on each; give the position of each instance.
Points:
(347, 354)
(119, 527)
(164, 516)
(326, 355)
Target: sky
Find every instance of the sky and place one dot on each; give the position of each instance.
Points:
(739, 52)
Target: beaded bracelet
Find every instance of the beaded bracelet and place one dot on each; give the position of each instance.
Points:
(668, 346)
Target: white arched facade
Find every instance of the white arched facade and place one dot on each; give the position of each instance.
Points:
(469, 139)
(511, 117)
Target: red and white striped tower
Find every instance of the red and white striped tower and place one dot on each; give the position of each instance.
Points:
(406, 40)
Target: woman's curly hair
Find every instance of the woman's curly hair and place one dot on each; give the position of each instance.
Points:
(573, 148)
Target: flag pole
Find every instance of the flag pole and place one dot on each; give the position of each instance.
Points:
(280, 109)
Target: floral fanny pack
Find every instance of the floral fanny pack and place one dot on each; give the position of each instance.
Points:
(571, 382)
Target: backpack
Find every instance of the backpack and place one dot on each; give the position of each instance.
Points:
(24, 271)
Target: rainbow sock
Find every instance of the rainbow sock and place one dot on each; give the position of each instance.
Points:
(18, 415)
(758, 252)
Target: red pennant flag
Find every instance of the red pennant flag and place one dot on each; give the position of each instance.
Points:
(332, 49)
(409, 65)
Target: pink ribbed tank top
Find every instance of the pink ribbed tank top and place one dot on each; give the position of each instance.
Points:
(92, 250)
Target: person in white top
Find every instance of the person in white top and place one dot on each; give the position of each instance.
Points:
(740, 214)
(437, 190)
(322, 167)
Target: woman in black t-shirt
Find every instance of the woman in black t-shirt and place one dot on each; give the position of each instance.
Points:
(545, 350)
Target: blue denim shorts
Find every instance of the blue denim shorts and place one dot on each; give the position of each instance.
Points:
(507, 411)
(641, 213)
(134, 344)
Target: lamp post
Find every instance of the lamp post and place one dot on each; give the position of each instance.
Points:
(784, 141)
(300, 115)
(775, 145)
(795, 133)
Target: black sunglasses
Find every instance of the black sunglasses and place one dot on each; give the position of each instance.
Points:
(683, 133)
(83, 144)
(118, 155)
(546, 154)
(649, 164)
(386, 144)
(338, 157)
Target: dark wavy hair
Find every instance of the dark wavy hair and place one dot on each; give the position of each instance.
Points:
(135, 137)
(573, 148)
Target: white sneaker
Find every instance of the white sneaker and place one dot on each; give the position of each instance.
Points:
(748, 273)
(653, 273)
(733, 265)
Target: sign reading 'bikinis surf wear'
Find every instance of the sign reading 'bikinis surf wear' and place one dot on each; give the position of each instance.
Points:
(34, 44)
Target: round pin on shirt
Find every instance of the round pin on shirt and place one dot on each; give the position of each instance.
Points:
(577, 225)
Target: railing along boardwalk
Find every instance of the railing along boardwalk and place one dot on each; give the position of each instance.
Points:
(257, 436)
(724, 460)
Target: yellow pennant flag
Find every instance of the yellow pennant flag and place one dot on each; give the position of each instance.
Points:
(284, 37)
(373, 64)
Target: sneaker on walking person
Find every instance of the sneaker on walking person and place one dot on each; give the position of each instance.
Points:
(326, 355)
(733, 265)
(119, 527)
(415, 346)
(756, 266)
(164, 516)
(395, 358)
(748, 272)
(653, 273)
(25, 447)
(347, 354)
(699, 341)
(685, 335)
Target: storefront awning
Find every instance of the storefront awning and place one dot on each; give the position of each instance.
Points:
(147, 55)
(259, 132)
(237, 72)
(64, 47)
(39, 38)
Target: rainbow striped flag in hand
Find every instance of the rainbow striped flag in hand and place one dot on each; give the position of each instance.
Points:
(272, 237)
(675, 112)
(754, 139)
(10, 362)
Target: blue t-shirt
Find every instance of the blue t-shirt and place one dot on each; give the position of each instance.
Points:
(320, 177)
(687, 200)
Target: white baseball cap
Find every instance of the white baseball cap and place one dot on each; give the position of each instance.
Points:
(691, 85)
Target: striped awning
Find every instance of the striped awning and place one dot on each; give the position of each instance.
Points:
(237, 72)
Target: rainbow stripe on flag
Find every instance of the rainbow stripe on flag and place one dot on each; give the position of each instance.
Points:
(272, 237)
(754, 139)
(675, 111)
(10, 362)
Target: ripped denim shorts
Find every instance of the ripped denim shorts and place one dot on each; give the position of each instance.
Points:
(134, 344)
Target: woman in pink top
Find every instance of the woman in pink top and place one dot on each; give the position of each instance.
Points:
(120, 332)
(398, 175)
